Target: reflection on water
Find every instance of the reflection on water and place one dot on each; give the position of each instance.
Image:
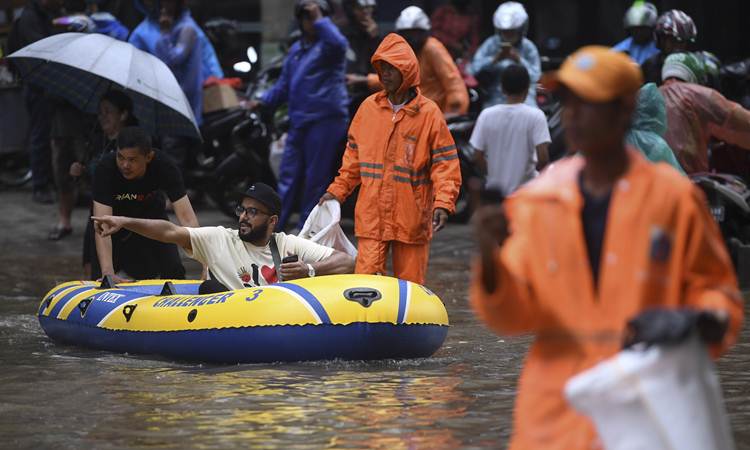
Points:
(66, 397)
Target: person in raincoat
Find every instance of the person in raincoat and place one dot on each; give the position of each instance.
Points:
(146, 35)
(440, 80)
(603, 248)
(508, 46)
(639, 22)
(400, 151)
(649, 125)
(697, 113)
(313, 84)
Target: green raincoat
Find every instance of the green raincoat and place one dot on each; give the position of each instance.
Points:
(649, 126)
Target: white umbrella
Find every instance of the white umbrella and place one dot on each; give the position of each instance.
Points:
(82, 67)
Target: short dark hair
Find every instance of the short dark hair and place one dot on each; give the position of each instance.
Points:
(134, 137)
(515, 79)
(122, 102)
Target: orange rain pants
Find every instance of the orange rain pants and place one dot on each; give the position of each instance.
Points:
(409, 260)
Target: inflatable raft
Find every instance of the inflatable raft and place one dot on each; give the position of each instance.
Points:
(356, 317)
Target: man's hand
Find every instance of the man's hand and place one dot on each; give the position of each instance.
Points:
(313, 11)
(107, 225)
(507, 52)
(77, 169)
(354, 79)
(439, 218)
(327, 196)
(672, 326)
(116, 278)
(294, 270)
(369, 25)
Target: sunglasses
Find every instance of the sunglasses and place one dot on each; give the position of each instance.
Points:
(250, 212)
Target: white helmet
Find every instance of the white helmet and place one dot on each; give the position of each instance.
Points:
(413, 18)
(510, 16)
(641, 14)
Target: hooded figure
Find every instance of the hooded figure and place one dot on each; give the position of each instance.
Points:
(146, 34)
(649, 126)
(312, 84)
(406, 162)
(696, 113)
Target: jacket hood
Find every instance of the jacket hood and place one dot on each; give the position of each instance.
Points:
(397, 52)
(650, 113)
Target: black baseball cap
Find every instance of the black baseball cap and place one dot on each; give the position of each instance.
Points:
(264, 194)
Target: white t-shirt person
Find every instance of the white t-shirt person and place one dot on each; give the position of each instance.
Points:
(508, 135)
(237, 264)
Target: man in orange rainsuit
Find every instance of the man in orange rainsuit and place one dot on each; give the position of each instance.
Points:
(440, 79)
(602, 247)
(400, 150)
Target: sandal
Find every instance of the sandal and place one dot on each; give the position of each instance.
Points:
(58, 233)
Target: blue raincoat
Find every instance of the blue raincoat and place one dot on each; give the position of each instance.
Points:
(649, 125)
(638, 53)
(108, 24)
(312, 83)
(147, 33)
(482, 62)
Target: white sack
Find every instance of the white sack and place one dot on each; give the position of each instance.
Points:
(322, 226)
(655, 398)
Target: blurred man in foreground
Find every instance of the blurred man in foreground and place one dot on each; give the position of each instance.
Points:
(598, 240)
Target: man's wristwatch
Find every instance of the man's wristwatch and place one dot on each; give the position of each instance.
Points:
(310, 271)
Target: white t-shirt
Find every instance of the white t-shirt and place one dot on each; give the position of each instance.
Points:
(237, 264)
(508, 136)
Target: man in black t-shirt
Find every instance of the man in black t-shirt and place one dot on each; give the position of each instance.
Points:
(132, 182)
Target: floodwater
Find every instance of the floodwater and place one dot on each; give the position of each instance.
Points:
(59, 396)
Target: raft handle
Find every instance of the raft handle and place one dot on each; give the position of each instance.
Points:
(362, 295)
(107, 282)
(168, 289)
(128, 311)
(83, 306)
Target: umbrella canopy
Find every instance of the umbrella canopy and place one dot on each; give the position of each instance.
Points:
(81, 68)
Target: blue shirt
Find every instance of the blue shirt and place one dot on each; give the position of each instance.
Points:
(639, 53)
(483, 62)
(312, 80)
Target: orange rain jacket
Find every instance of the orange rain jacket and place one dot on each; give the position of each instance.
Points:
(441, 81)
(661, 248)
(406, 162)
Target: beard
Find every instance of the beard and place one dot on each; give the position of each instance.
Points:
(255, 234)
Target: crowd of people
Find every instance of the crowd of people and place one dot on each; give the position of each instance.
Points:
(369, 111)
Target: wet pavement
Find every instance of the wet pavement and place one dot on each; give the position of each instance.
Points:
(66, 397)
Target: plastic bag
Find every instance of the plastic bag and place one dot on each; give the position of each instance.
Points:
(655, 398)
(322, 226)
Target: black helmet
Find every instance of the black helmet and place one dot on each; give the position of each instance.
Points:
(299, 7)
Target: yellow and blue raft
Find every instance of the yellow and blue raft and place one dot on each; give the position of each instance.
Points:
(356, 317)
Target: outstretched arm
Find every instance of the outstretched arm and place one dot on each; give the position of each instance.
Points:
(158, 230)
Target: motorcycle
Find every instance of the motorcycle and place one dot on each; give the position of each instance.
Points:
(729, 202)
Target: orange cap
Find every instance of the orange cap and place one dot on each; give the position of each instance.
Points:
(597, 74)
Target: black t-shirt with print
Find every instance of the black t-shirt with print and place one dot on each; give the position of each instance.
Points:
(141, 198)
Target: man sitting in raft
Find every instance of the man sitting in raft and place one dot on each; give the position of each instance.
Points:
(241, 258)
